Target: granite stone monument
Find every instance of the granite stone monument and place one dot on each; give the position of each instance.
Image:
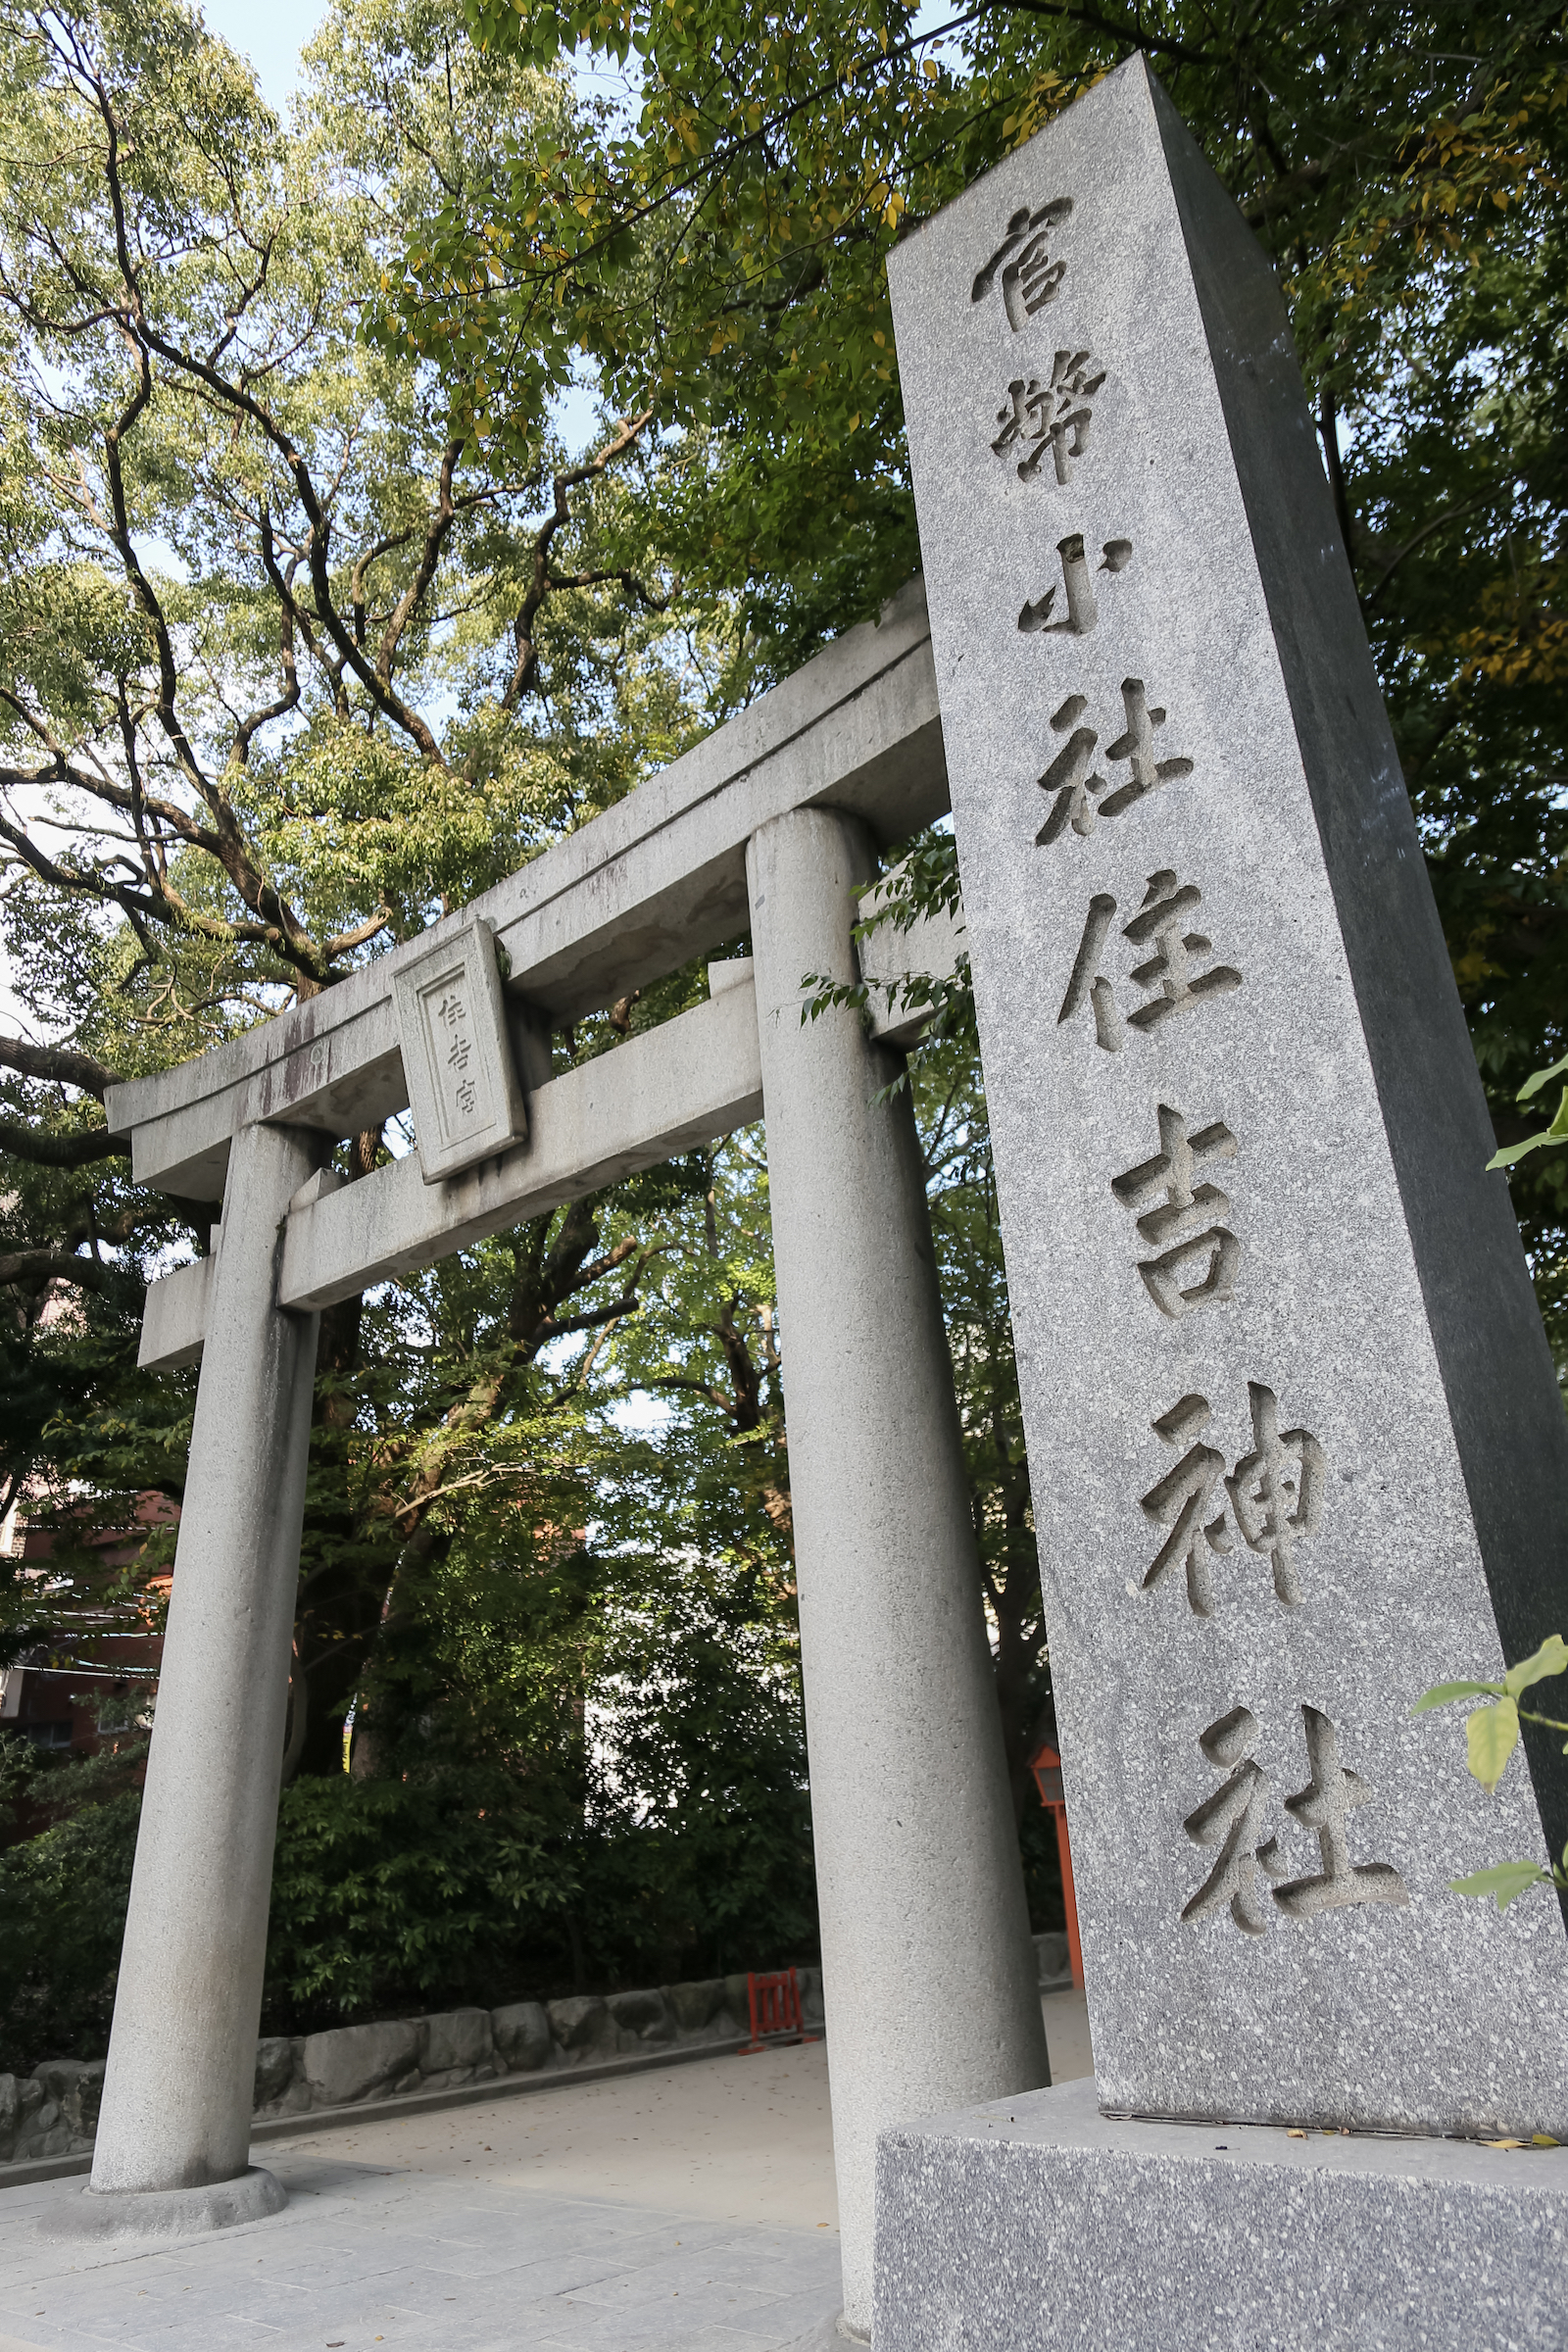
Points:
(1295, 1442)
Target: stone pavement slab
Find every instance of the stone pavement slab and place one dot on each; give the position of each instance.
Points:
(695, 2209)
(339, 2267)
(692, 2210)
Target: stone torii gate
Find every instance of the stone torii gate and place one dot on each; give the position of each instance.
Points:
(771, 825)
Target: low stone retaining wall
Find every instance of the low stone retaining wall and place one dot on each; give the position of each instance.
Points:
(53, 2112)
(458, 2046)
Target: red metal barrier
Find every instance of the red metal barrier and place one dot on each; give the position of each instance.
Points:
(775, 2004)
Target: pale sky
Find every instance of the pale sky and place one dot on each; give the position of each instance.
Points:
(270, 36)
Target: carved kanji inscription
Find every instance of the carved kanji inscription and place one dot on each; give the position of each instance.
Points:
(1082, 609)
(1083, 797)
(1233, 1816)
(1030, 277)
(1167, 977)
(1275, 1494)
(1054, 414)
(1197, 1255)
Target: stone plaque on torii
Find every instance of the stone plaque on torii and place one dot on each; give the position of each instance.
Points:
(770, 825)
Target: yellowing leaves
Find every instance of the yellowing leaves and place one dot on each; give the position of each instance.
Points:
(1492, 1733)
(1474, 966)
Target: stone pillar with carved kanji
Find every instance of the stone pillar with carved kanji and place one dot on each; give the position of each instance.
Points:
(1296, 1444)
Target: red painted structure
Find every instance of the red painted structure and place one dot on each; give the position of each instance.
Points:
(776, 2005)
(1045, 1765)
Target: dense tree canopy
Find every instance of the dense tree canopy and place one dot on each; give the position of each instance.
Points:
(718, 249)
(314, 621)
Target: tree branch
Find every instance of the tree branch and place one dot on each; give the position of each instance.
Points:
(46, 1150)
(525, 668)
(63, 1064)
(554, 1327)
(1133, 37)
(1439, 522)
(1328, 425)
(435, 538)
(51, 1265)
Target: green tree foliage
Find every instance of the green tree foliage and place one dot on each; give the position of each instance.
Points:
(405, 1895)
(717, 246)
(1492, 1733)
(347, 666)
(62, 1913)
(285, 668)
(310, 624)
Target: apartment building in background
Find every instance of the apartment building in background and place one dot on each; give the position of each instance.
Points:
(90, 1682)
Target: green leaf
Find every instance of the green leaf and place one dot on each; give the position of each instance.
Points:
(1440, 1692)
(1539, 1078)
(1504, 1881)
(1516, 1151)
(1491, 1735)
(1557, 1133)
(1551, 1658)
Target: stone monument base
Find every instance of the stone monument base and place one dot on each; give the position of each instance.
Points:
(165, 2211)
(1038, 2225)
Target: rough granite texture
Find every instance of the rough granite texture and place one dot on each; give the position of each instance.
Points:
(932, 1996)
(1358, 1318)
(177, 2091)
(164, 2214)
(1039, 2224)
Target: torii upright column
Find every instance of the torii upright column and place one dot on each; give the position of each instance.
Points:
(173, 2137)
(928, 1972)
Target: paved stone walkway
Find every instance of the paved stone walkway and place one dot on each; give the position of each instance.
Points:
(688, 2210)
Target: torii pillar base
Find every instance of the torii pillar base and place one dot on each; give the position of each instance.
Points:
(165, 2213)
